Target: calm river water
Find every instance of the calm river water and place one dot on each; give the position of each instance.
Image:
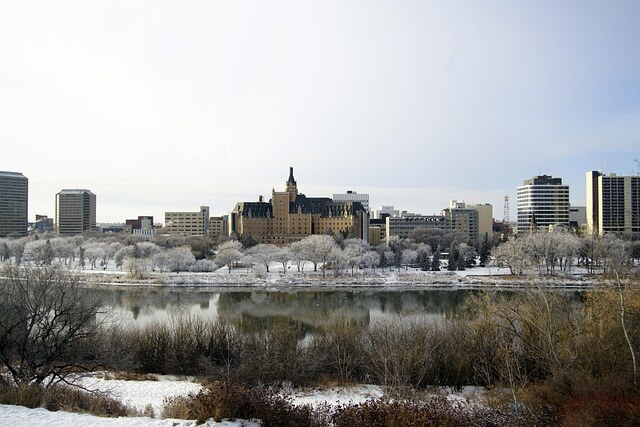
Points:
(256, 309)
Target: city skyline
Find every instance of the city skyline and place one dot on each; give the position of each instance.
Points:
(159, 108)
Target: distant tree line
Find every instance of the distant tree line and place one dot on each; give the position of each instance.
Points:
(428, 250)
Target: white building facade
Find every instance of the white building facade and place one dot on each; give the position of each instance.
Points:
(542, 202)
(352, 196)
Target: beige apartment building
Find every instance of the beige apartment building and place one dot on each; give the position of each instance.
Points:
(218, 226)
(290, 216)
(187, 223)
(75, 212)
(613, 203)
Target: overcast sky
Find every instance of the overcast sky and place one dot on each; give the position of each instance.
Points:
(165, 106)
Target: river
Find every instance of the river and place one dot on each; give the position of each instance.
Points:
(254, 310)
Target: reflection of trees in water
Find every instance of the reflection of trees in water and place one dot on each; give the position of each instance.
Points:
(148, 301)
(305, 310)
(314, 309)
(247, 322)
(309, 309)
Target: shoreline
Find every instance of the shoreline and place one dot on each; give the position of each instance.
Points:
(314, 282)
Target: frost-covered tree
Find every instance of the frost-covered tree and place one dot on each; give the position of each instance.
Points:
(203, 266)
(110, 251)
(283, 256)
(512, 254)
(93, 252)
(146, 249)
(263, 254)
(180, 259)
(354, 249)
(16, 248)
(370, 259)
(339, 260)
(34, 251)
(63, 249)
(409, 257)
(160, 261)
(298, 255)
(467, 254)
(122, 254)
(315, 249)
(319, 250)
(229, 253)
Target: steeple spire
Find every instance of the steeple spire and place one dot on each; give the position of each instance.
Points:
(291, 179)
(292, 186)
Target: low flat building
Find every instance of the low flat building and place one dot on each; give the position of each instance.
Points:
(403, 226)
(143, 225)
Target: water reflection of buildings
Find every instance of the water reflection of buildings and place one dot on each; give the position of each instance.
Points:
(312, 310)
(306, 310)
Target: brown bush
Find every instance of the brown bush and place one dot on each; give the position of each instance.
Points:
(433, 412)
(583, 401)
(225, 400)
(62, 398)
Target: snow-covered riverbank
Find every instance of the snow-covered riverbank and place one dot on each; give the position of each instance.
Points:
(381, 280)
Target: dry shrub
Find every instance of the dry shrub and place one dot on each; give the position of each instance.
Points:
(277, 356)
(186, 345)
(339, 349)
(411, 353)
(62, 398)
(433, 412)
(225, 400)
(588, 402)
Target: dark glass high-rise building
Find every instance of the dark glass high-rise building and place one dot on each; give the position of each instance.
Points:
(14, 196)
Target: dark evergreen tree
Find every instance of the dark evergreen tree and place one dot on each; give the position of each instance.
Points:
(435, 261)
(48, 253)
(485, 249)
(423, 261)
(453, 259)
(81, 257)
(247, 241)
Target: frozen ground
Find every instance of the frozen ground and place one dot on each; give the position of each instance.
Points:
(141, 394)
(396, 279)
(19, 416)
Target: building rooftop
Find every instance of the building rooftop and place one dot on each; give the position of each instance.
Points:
(74, 191)
(12, 174)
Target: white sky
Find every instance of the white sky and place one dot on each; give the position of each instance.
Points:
(165, 106)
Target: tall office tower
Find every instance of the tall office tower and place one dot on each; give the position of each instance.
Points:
(613, 203)
(14, 202)
(75, 212)
(542, 201)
